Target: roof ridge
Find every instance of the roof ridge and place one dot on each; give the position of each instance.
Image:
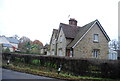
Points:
(69, 25)
(90, 22)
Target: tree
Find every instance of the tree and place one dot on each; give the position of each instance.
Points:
(37, 42)
(113, 44)
(15, 36)
(7, 50)
(24, 39)
(24, 44)
(36, 46)
(27, 46)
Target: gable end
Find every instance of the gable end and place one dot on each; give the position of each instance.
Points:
(101, 28)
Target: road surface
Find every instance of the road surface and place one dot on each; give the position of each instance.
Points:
(9, 75)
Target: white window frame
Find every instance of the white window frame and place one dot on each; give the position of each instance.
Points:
(95, 53)
(96, 38)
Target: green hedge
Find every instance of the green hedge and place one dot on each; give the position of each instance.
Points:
(74, 66)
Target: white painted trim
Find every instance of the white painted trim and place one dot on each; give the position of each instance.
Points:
(103, 30)
(84, 34)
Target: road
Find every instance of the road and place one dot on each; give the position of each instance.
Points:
(9, 75)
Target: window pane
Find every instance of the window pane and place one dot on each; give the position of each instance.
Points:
(95, 37)
(95, 53)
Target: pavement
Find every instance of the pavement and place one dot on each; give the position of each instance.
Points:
(9, 75)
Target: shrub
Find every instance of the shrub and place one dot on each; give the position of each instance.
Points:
(74, 66)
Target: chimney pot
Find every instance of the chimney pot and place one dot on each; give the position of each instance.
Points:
(72, 21)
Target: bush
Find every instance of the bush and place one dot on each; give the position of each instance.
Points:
(74, 66)
(7, 50)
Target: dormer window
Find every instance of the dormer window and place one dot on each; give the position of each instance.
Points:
(96, 38)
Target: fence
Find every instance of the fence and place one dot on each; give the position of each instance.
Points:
(75, 66)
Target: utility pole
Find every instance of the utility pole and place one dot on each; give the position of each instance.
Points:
(119, 30)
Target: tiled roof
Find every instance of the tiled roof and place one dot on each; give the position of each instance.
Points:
(7, 45)
(3, 39)
(55, 31)
(70, 31)
(76, 33)
(81, 32)
(12, 40)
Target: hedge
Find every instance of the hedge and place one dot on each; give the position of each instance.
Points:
(74, 66)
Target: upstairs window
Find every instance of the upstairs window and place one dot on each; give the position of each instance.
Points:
(54, 40)
(96, 38)
(61, 39)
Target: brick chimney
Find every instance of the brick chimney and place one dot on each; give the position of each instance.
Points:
(72, 21)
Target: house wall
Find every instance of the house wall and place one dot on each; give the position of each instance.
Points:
(15, 45)
(112, 54)
(68, 41)
(84, 48)
(53, 45)
(5, 41)
(61, 45)
(42, 51)
(48, 52)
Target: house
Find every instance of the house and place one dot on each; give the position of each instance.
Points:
(3, 39)
(45, 50)
(112, 53)
(11, 48)
(53, 42)
(88, 41)
(9, 42)
(13, 41)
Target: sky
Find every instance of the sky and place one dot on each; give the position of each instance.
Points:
(36, 19)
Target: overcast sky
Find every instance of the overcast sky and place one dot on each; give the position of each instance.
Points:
(37, 18)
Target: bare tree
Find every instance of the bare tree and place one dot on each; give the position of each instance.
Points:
(24, 44)
(16, 36)
(113, 44)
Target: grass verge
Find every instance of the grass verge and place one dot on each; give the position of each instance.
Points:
(54, 74)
